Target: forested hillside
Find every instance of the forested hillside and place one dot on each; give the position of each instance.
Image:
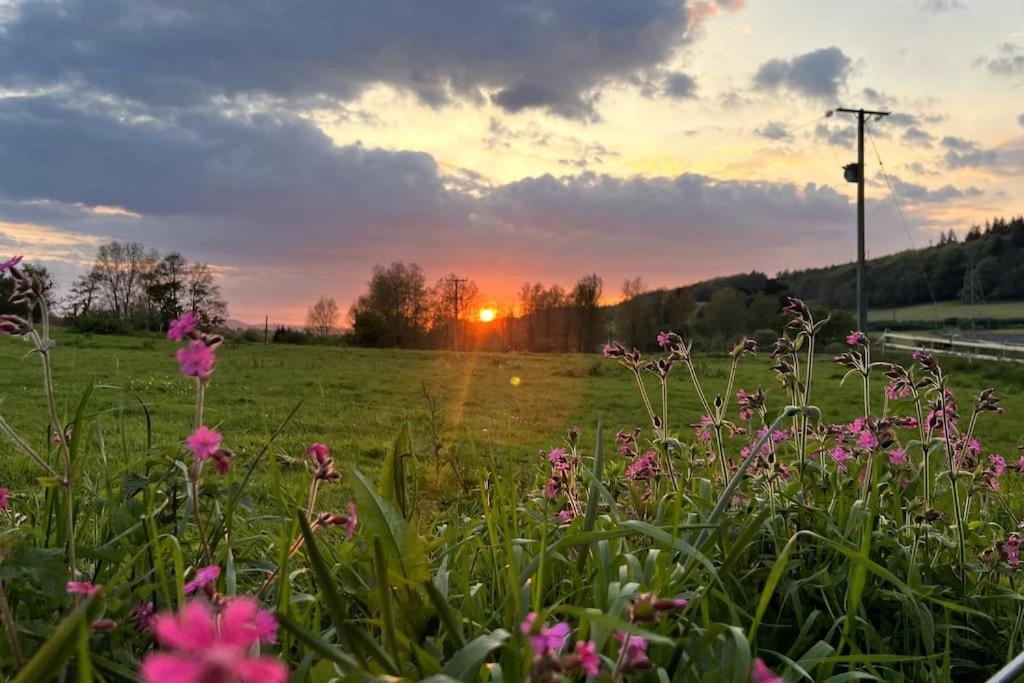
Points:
(995, 251)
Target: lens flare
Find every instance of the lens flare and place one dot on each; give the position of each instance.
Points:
(488, 314)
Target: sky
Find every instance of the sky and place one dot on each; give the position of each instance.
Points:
(293, 145)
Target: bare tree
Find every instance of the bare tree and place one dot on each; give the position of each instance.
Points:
(631, 307)
(117, 271)
(202, 295)
(322, 317)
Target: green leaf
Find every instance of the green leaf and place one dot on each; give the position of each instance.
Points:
(465, 663)
(593, 496)
(392, 472)
(59, 647)
(43, 568)
(451, 619)
(406, 553)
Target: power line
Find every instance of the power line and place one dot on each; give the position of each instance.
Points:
(903, 220)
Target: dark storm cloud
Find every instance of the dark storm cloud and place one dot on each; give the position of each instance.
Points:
(265, 168)
(522, 53)
(818, 74)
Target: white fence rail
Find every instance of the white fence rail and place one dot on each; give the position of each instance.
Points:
(951, 346)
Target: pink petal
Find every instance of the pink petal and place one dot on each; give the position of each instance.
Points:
(163, 668)
(192, 630)
(238, 623)
(262, 670)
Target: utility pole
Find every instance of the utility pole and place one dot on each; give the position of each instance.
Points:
(854, 173)
(456, 282)
(266, 328)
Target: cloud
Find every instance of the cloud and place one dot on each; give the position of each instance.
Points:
(918, 136)
(680, 86)
(918, 194)
(819, 74)
(1008, 61)
(774, 130)
(963, 153)
(841, 136)
(938, 6)
(519, 53)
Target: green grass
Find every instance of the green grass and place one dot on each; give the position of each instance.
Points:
(356, 400)
(1000, 310)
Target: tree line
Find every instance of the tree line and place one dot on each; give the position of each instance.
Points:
(130, 288)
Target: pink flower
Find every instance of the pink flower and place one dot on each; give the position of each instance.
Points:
(762, 674)
(565, 516)
(4, 504)
(212, 648)
(546, 639)
(704, 433)
(144, 616)
(855, 338)
(203, 442)
(347, 522)
(894, 394)
(998, 463)
(1012, 549)
(840, 455)
(642, 468)
(635, 655)
(974, 447)
(205, 576)
(10, 263)
(83, 588)
(867, 440)
(319, 452)
(587, 658)
(196, 359)
(897, 457)
(180, 328)
(551, 487)
(663, 339)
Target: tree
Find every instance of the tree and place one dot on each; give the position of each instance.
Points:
(322, 317)
(395, 306)
(586, 297)
(632, 309)
(444, 317)
(117, 272)
(202, 295)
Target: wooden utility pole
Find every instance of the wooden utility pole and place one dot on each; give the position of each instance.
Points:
(854, 173)
(456, 282)
(266, 329)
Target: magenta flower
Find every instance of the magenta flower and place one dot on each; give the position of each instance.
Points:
(196, 360)
(1012, 549)
(762, 674)
(551, 487)
(635, 655)
(205, 576)
(565, 516)
(704, 432)
(643, 468)
(998, 463)
(663, 339)
(4, 504)
(10, 263)
(546, 639)
(897, 457)
(855, 338)
(347, 522)
(83, 588)
(183, 326)
(203, 442)
(974, 447)
(143, 615)
(318, 452)
(840, 455)
(587, 658)
(867, 440)
(206, 647)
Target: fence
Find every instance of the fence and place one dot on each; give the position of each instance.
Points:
(951, 346)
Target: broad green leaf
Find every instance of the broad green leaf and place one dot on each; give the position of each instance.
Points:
(465, 663)
(407, 556)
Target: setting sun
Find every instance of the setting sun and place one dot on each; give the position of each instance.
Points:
(488, 314)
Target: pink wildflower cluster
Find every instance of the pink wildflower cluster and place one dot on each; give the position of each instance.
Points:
(204, 644)
(205, 445)
(643, 468)
(547, 643)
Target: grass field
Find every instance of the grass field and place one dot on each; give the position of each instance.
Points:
(1000, 310)
(505, 406)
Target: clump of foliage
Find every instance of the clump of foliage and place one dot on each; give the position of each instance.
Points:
(756, 542)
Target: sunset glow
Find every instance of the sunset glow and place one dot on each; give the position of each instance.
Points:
(488, 314)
